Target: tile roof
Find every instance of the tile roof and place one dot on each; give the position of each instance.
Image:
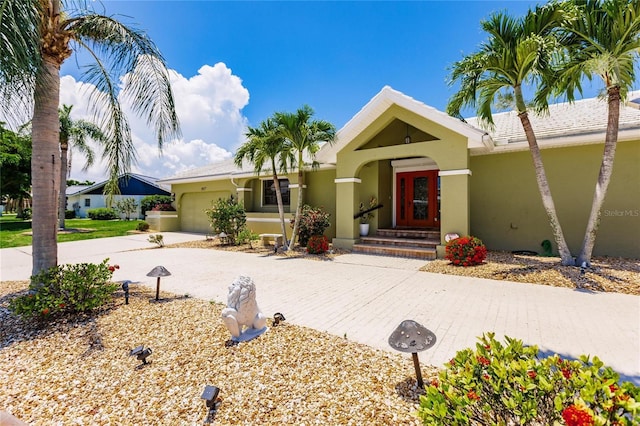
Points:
(568, 121)
(586, 116)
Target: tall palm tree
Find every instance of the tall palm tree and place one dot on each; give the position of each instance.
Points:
(605, 43)
(266, 145)
(518, 53)
(74, 134)
(303, 136)
(36, 37)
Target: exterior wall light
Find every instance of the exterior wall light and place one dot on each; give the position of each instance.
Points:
(210, 396)
(158, 271)
(411, 337)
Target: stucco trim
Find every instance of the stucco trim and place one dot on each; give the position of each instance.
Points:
(263, 219)
(454, 172)
(347, 180)
(244, 189)
(295, 185)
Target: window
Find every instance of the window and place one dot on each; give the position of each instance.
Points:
(87, 202)
(269, 192)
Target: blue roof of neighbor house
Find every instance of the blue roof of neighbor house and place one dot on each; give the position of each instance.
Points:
(129, 184)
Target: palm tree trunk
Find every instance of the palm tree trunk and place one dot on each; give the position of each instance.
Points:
(45, 165)
(62, 204)
(604, 177)
(296, 223)
(276, 182)
(545, 191)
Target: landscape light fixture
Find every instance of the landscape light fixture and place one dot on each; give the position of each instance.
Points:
(411, 337)
(210, 396)
(141, 353)
(125, 288)
(277, 318)
(407, 139)
(158, 271)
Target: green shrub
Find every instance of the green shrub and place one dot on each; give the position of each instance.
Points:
(465, 251)
(150, 201)
(66, 289)
(157, 239)
(142, 226)
(69, 214)
(313, 221)
(25, 215)
(246, 236)
(318, 244)
(228, 216)
(102, 213)
(126, 206)
(498, 384)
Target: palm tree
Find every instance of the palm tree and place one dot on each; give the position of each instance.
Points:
(517, 53)
(302, 135)
(264, 145)
(36, 37)
(605, 43)
(73, 134)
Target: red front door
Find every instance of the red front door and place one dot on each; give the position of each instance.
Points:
(418, 199)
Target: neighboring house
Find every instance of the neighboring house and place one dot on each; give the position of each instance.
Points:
(83, 198)
(432, 171)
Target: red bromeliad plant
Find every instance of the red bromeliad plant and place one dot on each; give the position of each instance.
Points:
(466, 251)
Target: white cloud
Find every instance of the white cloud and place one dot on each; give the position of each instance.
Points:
(209, 107)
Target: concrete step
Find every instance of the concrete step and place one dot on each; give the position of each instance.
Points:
(398, 241)
(397, 251)
(431, 234)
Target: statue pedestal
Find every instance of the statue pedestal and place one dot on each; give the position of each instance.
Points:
(249, 333)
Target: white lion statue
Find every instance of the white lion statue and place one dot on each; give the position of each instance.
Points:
(242, 311)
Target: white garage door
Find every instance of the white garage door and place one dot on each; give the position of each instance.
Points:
(192, 207)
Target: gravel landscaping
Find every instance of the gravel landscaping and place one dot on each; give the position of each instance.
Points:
(78, 371)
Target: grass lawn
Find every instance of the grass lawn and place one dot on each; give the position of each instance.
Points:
(17, 232)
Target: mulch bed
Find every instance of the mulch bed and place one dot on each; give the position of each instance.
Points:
(78, 370)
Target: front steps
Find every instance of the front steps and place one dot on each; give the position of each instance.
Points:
(411, 243)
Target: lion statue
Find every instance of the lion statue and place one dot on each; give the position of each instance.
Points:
(242, 311)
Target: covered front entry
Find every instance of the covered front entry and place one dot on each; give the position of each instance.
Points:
(418, 199)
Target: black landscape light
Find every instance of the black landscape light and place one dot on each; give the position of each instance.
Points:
(411, 337)
(125, 288)
(210, 396)
(141, 353)
(158, 271)
(277, 318)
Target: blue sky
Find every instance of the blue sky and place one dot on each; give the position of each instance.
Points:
(276, 56)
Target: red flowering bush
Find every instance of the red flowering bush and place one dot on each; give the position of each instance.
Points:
(576, 416)
(318, 244)
(163, 207)
(508, 384)
(66, 289)
(466, 251)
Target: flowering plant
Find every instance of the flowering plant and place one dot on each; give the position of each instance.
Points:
(66, 289)
(509, 384)
(366, 217)
(466, 251)
(318, 244)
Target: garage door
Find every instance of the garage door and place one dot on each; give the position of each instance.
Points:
(192, 207)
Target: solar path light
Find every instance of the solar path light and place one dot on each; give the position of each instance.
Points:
(411, 337)
(210, 396)
(141, 353)
(125, 288)
(158, 271)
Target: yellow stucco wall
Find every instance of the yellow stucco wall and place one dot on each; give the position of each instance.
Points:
(507, 212)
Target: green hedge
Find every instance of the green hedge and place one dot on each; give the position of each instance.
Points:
(102, 213)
